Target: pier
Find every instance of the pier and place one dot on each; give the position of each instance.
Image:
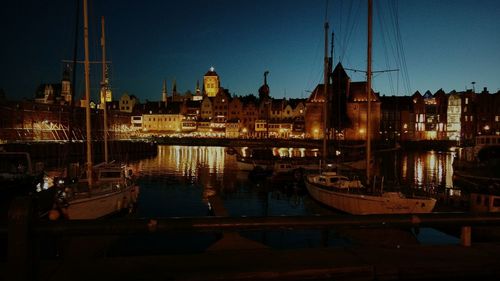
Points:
(466, 260)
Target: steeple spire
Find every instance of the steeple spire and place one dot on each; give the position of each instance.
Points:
(164, 91)
(197, 87)
(174, 90)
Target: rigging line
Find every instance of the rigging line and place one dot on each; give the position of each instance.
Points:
(381, 20)
(397, 53)
(354, 25)
(403, 57)
(313, 68)
(393, 41)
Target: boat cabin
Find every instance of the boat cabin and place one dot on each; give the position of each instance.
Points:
(332, 179)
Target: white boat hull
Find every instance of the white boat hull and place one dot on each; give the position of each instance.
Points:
(100, 205)
(362, 204)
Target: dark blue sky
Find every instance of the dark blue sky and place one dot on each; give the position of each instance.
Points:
(447, 44)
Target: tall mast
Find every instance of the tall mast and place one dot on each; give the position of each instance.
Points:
(368, 92)
(104, 90)
(326, 97)
(87, 93)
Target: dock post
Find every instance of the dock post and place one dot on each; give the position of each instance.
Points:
(22, 259)
(465, 236)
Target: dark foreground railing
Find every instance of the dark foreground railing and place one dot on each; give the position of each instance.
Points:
(24, 229)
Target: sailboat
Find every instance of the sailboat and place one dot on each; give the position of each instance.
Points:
(103, 189)
(349, 195)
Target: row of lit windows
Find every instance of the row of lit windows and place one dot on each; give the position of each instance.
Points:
(170, 119)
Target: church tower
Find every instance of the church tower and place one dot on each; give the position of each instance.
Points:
(211, 83)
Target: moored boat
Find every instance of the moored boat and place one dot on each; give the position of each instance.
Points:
(102, 189)
(350, 196)
(113, 190)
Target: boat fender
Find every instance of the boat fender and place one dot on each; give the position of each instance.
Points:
(54, 215)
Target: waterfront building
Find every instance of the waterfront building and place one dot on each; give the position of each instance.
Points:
(278, 110)
(219, 105)
(190, 111)
(419, 116)
(280, 129)
(314, 114)
(166, 120)
(249, 115)
(235, 109)
(453, 127)
(468, 119)
(357, 107)
(297, 118)
(204, 127)
(346, 109)
(136, 122)
(395, 121)
(233, 128)
(486, 115)
(495, 128)
(206, 108)
(441, 105)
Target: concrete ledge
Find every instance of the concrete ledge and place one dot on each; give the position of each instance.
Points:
(450, 262)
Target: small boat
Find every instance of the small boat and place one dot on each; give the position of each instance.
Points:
(113, 190)
(102, 189)
(350, 196)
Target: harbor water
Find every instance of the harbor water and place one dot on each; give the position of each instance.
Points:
(181, 180)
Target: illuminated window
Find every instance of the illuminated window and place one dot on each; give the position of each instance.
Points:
(466, 100)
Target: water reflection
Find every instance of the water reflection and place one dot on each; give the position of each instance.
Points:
(180, 179)
(419, 170)
(211, 171)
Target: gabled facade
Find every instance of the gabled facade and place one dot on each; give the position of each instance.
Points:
(127, 103)
(206, 111)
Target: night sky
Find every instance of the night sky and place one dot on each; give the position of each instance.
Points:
(446, 44)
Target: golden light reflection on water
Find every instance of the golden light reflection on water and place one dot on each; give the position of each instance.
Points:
(419, 171)
(185, 161)
(404, 167)
(214, 168)
(431, 169)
